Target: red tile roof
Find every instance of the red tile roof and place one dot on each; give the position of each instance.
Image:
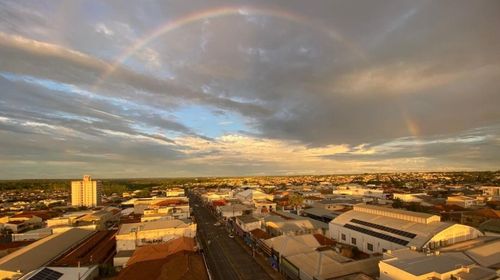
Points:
(45, 215)
(171, 202)
(23, 215)
(488, 213)
(96, 249)
(323, 240)
(182, 265)
(163, 250)
(15, 244)
(260, 234)
(15, 222)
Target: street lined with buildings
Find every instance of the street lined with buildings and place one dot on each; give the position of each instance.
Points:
(225, 257)
(299, 232)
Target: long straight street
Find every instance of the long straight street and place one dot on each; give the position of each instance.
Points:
(226, 259)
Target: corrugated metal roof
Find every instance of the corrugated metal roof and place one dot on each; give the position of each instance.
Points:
(159, 224)
(41, 252)
(424, 232)
(287, 245)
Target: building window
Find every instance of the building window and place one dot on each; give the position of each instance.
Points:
(353, 240)
(369, 246)
(343, 236)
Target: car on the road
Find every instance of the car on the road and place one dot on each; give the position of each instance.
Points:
(217, 224)
(231, 235)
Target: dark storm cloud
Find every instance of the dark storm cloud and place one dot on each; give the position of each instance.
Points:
(432, 69)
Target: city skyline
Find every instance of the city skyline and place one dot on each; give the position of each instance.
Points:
(242, 88)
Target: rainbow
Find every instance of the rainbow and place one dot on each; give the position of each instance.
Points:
(220, 12)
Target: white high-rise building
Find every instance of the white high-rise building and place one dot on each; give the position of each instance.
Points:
(86, 192)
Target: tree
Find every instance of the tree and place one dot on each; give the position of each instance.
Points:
(397, 203)
(295, 200)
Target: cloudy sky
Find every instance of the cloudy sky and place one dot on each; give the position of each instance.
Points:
(206, 88)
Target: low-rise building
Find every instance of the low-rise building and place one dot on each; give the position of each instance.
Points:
(491, 191)
(327, 263)
(277, 225)
(171, 208)
(248, 223)
(264, 206)
(176, 259)
(174, 192)
(408, 264)
(491, 227)
(64, 273)
(283, 246)
(320, 214)
(409, 197)
(249, 196)
(358, 190)
(462, 201)
(131, 236)
(39, 253)
(101, 219)
(141, 204)
(337, 203)
(375, 229)
(31, 235)
(21, 222)
(233, 210)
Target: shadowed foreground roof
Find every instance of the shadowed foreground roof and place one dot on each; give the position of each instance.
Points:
(179, 266)
(42, 251)
(163, 250)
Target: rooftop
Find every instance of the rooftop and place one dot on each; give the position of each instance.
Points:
(491, 225)
(422, 232)
(423, 264)
(42, 251)
(260, 234)
(247, 219)
(153, 225)
(487, 254)
(400, 214)
(163, 250)
(320, 212)
(183, 265)
(289, 245)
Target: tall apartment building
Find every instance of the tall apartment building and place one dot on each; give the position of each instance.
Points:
(86, 192)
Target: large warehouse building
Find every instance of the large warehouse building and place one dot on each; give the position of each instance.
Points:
(375, 229)
(40, 253)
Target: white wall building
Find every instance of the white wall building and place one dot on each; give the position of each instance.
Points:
(409, 197)
(250, 195)
(233, 210)
(326, 264)
(406, 264)
(375, 229)
(462, 201)
(358, 190)
(86, 193)
(175, 192)
(133, 235)
(248, 223)
(491, 191)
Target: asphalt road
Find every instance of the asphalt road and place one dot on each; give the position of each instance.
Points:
(225, 258)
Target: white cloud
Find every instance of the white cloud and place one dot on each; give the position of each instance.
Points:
(103, 29)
